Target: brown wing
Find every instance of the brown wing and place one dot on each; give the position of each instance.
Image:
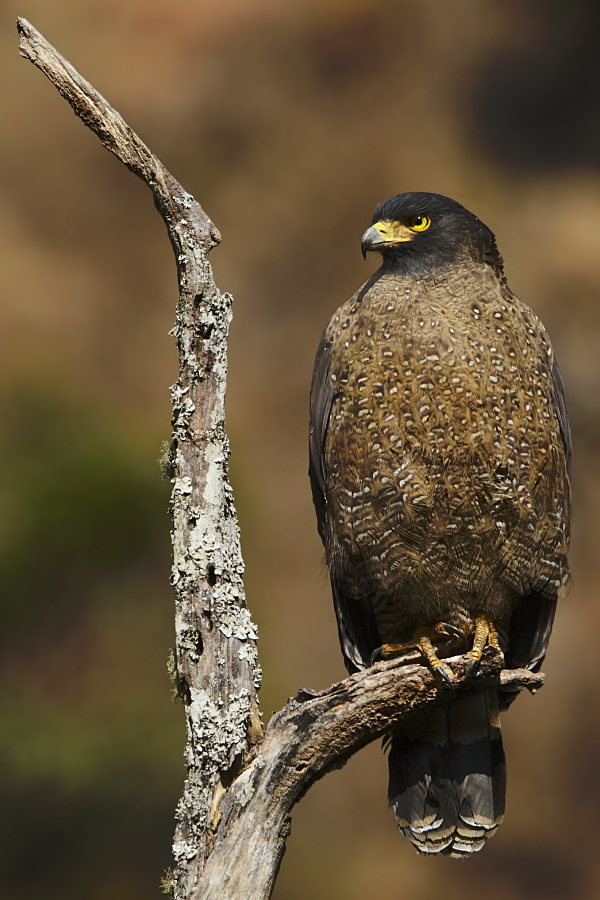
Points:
(563, 418)
(356, 625)
(532, 620)
(321, 398)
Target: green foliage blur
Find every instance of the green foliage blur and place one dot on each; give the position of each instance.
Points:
(84, 744)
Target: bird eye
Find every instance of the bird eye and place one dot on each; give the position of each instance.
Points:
(419, 223)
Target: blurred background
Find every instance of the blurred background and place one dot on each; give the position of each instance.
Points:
(289, 120)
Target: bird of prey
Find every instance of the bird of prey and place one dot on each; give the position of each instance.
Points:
(440, 462)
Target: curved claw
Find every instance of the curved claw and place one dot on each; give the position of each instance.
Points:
(451, 629)
(445, 673)
(472, 667)
(449, 647)
(455, 638)
(376, 655)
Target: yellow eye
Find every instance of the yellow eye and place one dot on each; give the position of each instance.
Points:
(418, 223)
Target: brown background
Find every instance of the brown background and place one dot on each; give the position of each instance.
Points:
(289, 120)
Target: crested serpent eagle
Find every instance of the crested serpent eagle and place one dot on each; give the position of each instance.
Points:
(440, 463)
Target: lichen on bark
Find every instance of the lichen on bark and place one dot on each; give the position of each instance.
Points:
(216, 637)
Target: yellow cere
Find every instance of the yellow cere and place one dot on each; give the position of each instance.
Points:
(402, 230)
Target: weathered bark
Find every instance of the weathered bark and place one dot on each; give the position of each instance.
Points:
(216, 661)
(313, 734)
(233, 818)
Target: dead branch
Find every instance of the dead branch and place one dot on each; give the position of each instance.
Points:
(216, 663)
(313, 734)
(233, 818)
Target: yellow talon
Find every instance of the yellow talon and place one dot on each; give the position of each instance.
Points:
(485, 634)
(388, 651)
(428, 651)
(423, 640)
(426, 638)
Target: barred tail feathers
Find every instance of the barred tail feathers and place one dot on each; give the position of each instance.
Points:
(448, 776)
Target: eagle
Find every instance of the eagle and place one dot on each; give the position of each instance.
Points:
(440, 460)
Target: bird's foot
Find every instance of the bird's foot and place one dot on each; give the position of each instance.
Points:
(431, 655)
(389, 651)
(444, 635)
(484, 635)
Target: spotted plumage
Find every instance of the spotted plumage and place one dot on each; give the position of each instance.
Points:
(439, 463)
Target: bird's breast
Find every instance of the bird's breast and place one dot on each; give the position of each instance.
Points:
(441, 370)
(441, 423)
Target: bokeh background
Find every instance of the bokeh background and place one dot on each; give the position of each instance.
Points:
(289, 120)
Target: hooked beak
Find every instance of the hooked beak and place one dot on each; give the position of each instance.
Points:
(371, 240)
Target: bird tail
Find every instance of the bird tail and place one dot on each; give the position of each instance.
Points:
(448, 776)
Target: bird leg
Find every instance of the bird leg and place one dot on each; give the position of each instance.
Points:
(428, 641)
(484, 635)
(428, 651)
(423, 640)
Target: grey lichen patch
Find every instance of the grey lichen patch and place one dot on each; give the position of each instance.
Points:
(217, 732)
(219, 727)
(182, 485)
(207, 555)
(183, 409)
(234, 621)
(202, 322)
(248, 651)
(182, 198)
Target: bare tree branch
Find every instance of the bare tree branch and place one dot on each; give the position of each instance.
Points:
(233, 818)
(216, 662)
(313, 734)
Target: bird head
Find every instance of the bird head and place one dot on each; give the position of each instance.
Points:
(419, 231)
